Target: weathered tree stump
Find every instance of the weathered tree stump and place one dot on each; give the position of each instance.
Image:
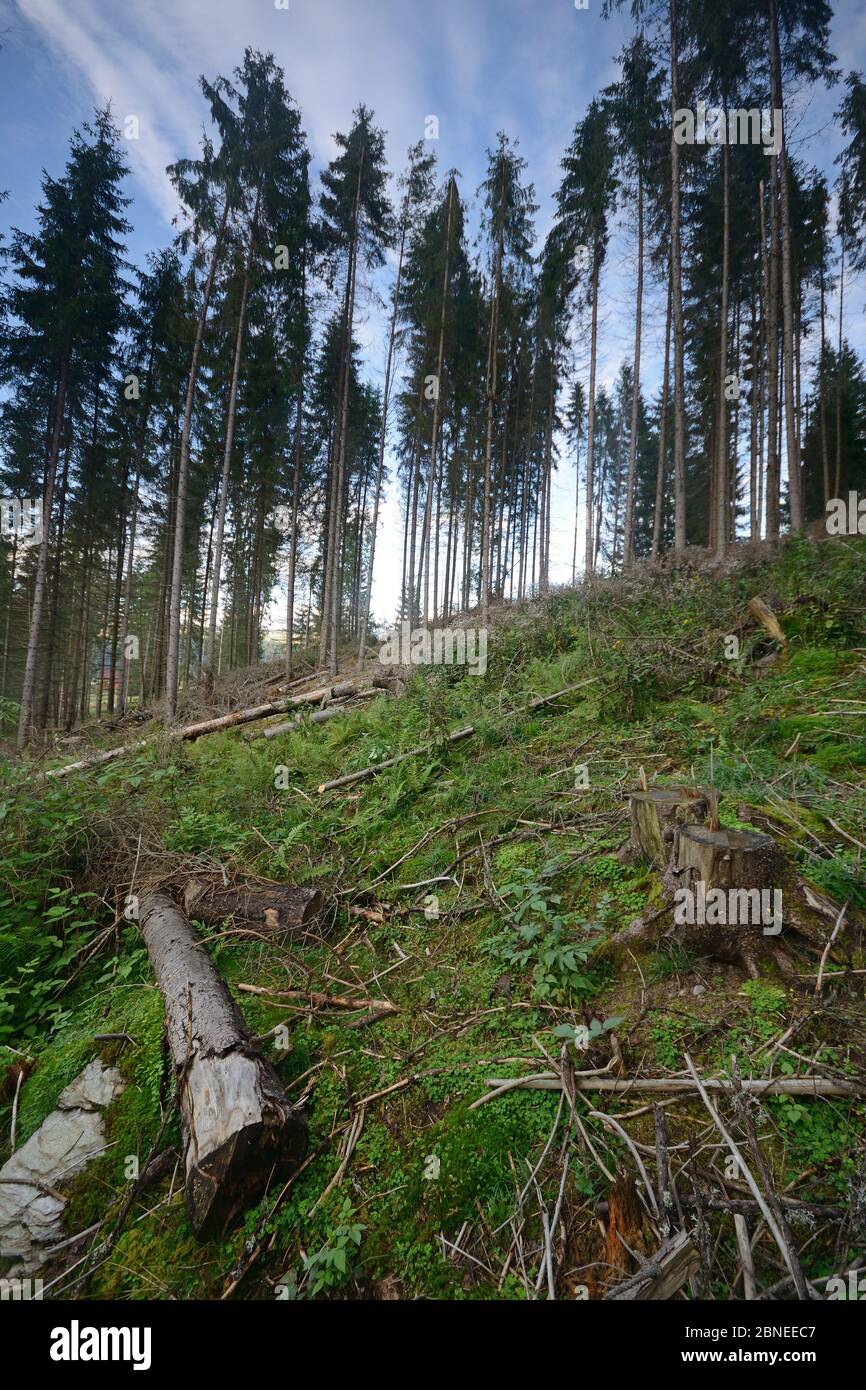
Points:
(728, 887)
(267, 907)
(655, 815)
(728, 858)
(240, 1133)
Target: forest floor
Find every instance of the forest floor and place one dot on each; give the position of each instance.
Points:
(475, 888)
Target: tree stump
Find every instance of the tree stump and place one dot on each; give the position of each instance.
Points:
(655, 815)
(728, 858)
(240, 1132)
(728, 886)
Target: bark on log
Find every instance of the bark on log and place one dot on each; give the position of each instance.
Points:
(655, 815)
(268, 907)
(239, 1131)
(342, 690)
(319, 716)
(193, 731)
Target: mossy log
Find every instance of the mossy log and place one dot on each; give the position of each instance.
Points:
(655, 815)
(240, 1133)
(267, 907)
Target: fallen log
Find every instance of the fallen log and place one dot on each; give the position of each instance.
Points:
(672, 1085)
(456, 736)
(268, 907)
(238, 1128)
(319, 716)
(193, 731)
(341, 691)
(767, 618)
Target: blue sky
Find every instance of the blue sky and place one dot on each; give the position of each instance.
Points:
(526, 66)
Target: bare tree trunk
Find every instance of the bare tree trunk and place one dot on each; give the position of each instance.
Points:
(822, 403)
(29, 685)
(792, 433)
(336, 557)
(722, 441)
(239, 1130)
(756, 367)
(544, 567)
(296, 478)
(434, 432)
(492, 365)
(210, 639)
(380, 463)
(628, 533)
(9, 615)
(173, 653)
(663, 429)
(837, 482)
(771, 279)
(679, 331)
(589, 557)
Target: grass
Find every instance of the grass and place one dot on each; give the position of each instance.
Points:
(497, 877)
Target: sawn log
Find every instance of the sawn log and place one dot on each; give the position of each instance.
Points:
(268, 907)
(239, 1131)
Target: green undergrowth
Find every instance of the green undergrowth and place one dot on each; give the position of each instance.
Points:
(494, 867)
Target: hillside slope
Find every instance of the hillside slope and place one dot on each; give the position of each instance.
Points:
(477, 888)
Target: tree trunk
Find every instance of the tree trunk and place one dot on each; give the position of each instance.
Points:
(239, 1131)
(679, 331)
(628, 532)
(722, 441)
(266, 907)
(822, 404)
(492, 365)
(654, 816)
(658, 512)
(772, 502)
(336, 557)
(792, 433)
(28, 690)
(837, 481)
(173, 653)
(589, 554)
(210, 639)
(434, 432)
(380, 462)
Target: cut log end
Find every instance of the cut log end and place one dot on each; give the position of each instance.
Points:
(262, 1145)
